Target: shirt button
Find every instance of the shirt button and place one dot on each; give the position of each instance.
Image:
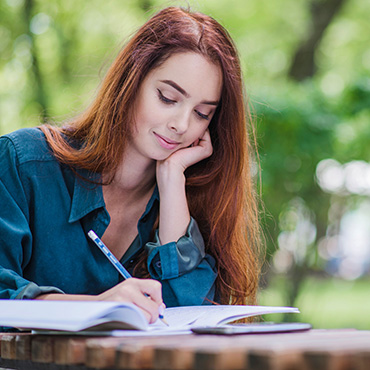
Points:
(158, 264)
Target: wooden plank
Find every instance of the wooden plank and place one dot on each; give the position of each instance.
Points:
(340, 356)
(101, 353)
(361, 360)
(1, 335)
(69, 351)
(328, 360)
(8, 347)
(139, 354)
(42, 349)
(274, 359)
(322, 350)
(134, 356)
(194, 353)
(180, 354)
(220, 359)
(23, 347)
(177, 354)
(173, 358)
(11, 341)
(256, 351)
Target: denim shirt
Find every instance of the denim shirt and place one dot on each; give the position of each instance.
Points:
(46, 212)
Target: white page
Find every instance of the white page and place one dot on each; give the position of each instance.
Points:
(186, 317)
(62, 315)
(182, 319)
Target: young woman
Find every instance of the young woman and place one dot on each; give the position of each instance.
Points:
(158, 166)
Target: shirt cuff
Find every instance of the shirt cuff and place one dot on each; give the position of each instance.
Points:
(174, 259)
(32, 290)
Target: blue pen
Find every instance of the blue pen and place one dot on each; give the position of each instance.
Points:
(114, 261)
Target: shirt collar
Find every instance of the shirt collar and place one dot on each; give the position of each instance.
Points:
(87, 195)
(153, 198)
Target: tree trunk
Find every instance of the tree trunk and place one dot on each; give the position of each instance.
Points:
(39, 88)
(322, 13)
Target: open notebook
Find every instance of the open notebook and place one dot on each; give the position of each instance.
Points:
(87, 317)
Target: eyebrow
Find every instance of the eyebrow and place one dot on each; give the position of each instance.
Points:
(183, 92)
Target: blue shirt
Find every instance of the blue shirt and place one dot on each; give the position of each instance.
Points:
(46, 212)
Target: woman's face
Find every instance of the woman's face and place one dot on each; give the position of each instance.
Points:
(175, 105)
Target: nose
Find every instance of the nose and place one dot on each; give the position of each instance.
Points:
(179, 123)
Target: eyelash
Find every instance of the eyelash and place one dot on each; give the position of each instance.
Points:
(164, 99)
(202, 116)
(169, 101)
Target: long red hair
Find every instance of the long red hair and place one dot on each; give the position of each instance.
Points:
(220, 189)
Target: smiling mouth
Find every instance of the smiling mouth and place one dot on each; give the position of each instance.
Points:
(165, 142)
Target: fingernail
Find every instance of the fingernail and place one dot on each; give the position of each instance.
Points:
(161, 309)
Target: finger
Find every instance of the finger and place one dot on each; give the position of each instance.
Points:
(147, 305)
(161, 309)
(206, 143)
(148, 286)
(206, 135)
(206, 138)
(196, 142)
(153, 289)
(149, 298)
(133, 290)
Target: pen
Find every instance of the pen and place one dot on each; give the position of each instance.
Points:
(114, 261)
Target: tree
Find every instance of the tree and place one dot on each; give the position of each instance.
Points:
(39, 86)
(322, 14)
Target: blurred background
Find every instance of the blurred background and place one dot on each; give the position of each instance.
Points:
(307, 70)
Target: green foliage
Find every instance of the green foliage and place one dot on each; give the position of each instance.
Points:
(324, 302)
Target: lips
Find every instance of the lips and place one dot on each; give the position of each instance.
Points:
(165, 142)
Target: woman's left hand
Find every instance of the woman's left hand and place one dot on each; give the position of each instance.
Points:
(174, 216)
(186, 157)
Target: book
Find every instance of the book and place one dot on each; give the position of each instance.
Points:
(88, 317)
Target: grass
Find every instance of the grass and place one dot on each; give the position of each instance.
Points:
(324, 303)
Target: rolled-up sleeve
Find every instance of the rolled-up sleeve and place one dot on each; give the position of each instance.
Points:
(186, 271)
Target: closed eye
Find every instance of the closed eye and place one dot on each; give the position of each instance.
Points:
(201, 115)
(164, 99)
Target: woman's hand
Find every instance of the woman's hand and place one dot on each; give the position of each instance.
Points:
(131, 290)
(186, 157)
(144, 293)
(174, 216)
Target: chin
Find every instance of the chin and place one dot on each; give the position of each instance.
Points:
(161, 157)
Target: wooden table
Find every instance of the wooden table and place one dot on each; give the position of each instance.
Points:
(315, 349)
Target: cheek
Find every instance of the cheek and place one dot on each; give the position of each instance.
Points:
(199, 131)
(147, 110)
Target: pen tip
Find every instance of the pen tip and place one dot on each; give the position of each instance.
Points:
(163, 320)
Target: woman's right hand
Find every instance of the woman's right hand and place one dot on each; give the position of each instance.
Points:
(134, 291)
(144, 293)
